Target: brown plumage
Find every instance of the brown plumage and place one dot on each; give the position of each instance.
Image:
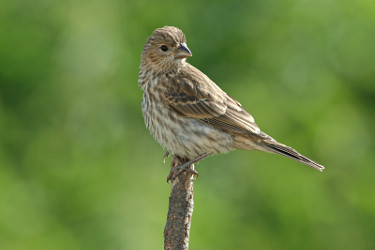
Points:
(189, 114)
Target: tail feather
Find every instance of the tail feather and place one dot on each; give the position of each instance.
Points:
(289, 152)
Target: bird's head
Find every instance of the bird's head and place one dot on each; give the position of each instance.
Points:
(165, 49)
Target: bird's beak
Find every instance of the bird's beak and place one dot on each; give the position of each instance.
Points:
(182, 51)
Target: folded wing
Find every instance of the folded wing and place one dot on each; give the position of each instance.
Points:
(194, 95)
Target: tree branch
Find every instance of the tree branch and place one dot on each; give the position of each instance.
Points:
(181, 204)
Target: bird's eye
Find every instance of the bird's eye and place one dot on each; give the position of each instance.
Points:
(164, 48)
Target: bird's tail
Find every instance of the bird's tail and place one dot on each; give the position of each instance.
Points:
(278, 148)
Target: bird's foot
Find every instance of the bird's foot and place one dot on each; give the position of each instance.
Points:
(165, 156)
(176, 171)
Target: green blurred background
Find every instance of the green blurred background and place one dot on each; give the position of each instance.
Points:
(79, 170)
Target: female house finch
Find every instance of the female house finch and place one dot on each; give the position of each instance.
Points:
(189, 114)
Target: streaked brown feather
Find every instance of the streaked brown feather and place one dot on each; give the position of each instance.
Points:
(194, 95)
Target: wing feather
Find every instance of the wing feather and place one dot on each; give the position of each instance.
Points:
(194, 95)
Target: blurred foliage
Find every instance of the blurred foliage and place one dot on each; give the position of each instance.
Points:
(78, 169)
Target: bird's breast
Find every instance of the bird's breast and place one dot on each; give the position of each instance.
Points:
(181, 135)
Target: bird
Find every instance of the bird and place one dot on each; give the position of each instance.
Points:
(191, 116)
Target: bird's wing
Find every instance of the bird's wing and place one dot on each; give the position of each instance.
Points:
(194, 95)
(235, 119)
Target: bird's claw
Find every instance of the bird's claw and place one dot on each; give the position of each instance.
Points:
(166, 155)
(176, 171)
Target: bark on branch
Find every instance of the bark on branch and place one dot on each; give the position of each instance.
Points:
(181, 204)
